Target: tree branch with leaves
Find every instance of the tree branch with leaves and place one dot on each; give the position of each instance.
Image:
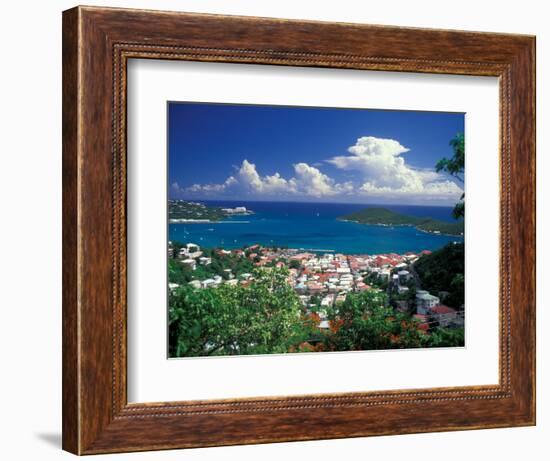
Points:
(455, 167)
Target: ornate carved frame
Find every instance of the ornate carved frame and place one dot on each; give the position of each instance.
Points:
(97, 43)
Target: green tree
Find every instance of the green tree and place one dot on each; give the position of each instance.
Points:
(179, 273)
(228, 320)
(295, 264)
(364, 322)
(443, 270)
(455, 167)
(375, 280)
(446, 337)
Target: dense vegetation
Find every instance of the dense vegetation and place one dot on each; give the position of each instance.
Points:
(364, 322)
(383, 216)
(182, 274)
(267, 317)
(229, 320)
(443, 270)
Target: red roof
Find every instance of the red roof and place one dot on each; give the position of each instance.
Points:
(423, 324)
(441, 309)
(421, 317)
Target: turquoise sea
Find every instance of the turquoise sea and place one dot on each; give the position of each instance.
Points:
(314, 227)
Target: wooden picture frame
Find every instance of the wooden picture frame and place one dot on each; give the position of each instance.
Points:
(97, 43)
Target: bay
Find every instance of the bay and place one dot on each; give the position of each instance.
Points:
(313, 227)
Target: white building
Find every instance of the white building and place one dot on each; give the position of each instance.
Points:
(191, 250)
(236, 210)
(327, 301)
(404, 276)
(209, 283)
(191, 263)
(425, 301)
(205, 261)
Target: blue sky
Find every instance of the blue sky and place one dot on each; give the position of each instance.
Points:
(252, 152)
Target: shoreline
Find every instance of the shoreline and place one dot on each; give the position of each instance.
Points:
(203, 221)
(403, 225)
(297, 250)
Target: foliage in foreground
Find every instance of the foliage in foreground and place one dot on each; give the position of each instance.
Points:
(229, 320)
(364, 322)
(267, 317)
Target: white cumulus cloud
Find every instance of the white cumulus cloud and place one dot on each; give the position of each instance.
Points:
(307, 181)
(385, 173)
(250, 180)
(207, 188)
(376, 166)
(311, 181)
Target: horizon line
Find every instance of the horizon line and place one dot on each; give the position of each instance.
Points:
(307, 202)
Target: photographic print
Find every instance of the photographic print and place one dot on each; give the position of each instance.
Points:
(313, 229)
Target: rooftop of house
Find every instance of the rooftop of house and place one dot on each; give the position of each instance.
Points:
(425, 296)
(442, 309)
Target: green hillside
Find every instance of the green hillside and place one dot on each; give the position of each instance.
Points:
(385, 217)
(443, 270)
(181, 209)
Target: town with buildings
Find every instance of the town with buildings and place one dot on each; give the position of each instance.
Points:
(323, 280)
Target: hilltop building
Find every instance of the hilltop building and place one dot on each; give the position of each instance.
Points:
(425, 301)
(190, 250)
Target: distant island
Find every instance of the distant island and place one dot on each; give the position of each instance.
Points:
(182, 211)
(385, 217)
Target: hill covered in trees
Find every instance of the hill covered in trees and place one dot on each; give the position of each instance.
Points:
(183, 210)
(443, 270)
(385, 217)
